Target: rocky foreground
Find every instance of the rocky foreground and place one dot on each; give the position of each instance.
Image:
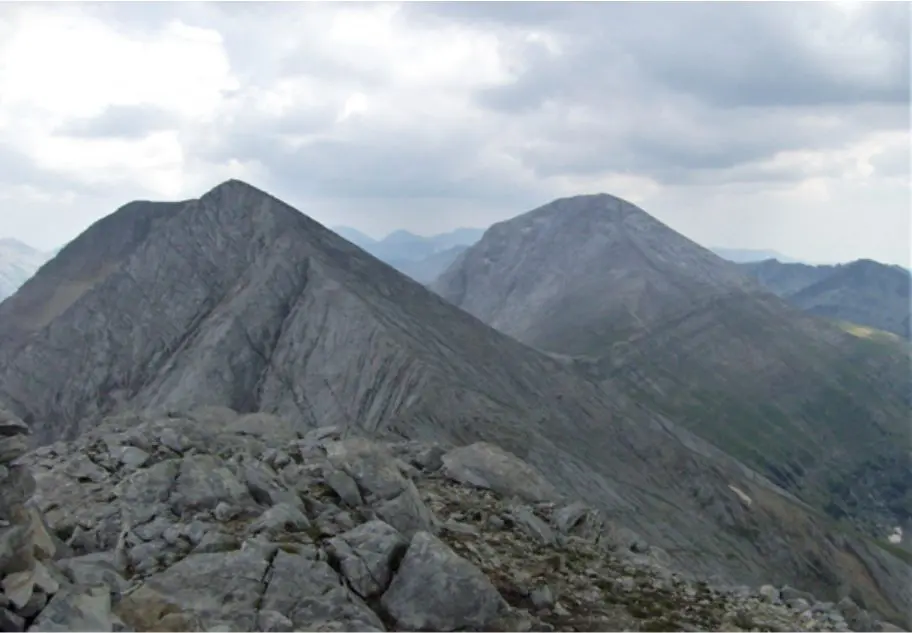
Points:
(214, 521)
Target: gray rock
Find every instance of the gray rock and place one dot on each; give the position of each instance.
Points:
(278, 519)
(437, 590)
(95, 569)
(488, 466)
(146, 556)
(406, 512)
(367, 555)
(542, 598)
(264, 487)
(371, 465)
(20, 586)
(311, 595)
(153, 530)
(565, 519)
(204, 482)
(15, 555)
(345, 487)
(15, 489)
(130, 456)
(12, 426)
(144, 492)
(217, 541)
(788, 594)
(526, 519)
(770, 594)
(12, 447)
(798, 604)
(225, 512)
(457, 527)
(74, 609)
(857, 618)
(218, 588)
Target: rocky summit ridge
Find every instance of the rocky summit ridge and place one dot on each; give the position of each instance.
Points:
(217, 521)
(238, 302)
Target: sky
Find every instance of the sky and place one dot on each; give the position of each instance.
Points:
(780, 126)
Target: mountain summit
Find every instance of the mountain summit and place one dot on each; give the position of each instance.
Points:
(641, 308)
(578, 266)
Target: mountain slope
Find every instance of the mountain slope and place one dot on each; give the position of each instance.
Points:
(238, 300)
(18, 262)
(863, 292)
(638, 306)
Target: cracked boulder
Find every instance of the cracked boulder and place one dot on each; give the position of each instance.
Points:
(435, 589)
(367, 556)
(313, 597)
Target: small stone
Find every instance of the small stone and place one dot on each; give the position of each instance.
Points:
(542, 598)
(280, 518)
(225, 512)
(798, 604)
(130, 456)
(770, 594)
(345, 487)
(216, 541)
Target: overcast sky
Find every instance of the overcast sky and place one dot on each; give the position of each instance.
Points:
(768, 125)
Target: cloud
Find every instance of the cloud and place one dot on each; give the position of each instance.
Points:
(428, 116)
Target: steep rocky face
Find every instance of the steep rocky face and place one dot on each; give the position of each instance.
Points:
(78, 267)
(641, 308)
(212, 520)
(238, 300)
(863, 292)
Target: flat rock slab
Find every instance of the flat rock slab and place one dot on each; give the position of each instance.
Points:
(437, 590)
(488, 466)
(77, 610)
(218, 587)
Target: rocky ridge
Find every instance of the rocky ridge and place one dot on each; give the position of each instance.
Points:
(216, 521)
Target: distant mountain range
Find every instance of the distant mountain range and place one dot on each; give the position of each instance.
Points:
(864, 292)
(741, 255)
(18, 262)
(421, 258)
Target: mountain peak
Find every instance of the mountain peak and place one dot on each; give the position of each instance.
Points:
(598, 251)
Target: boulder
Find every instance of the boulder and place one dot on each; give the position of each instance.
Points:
(435, 589)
